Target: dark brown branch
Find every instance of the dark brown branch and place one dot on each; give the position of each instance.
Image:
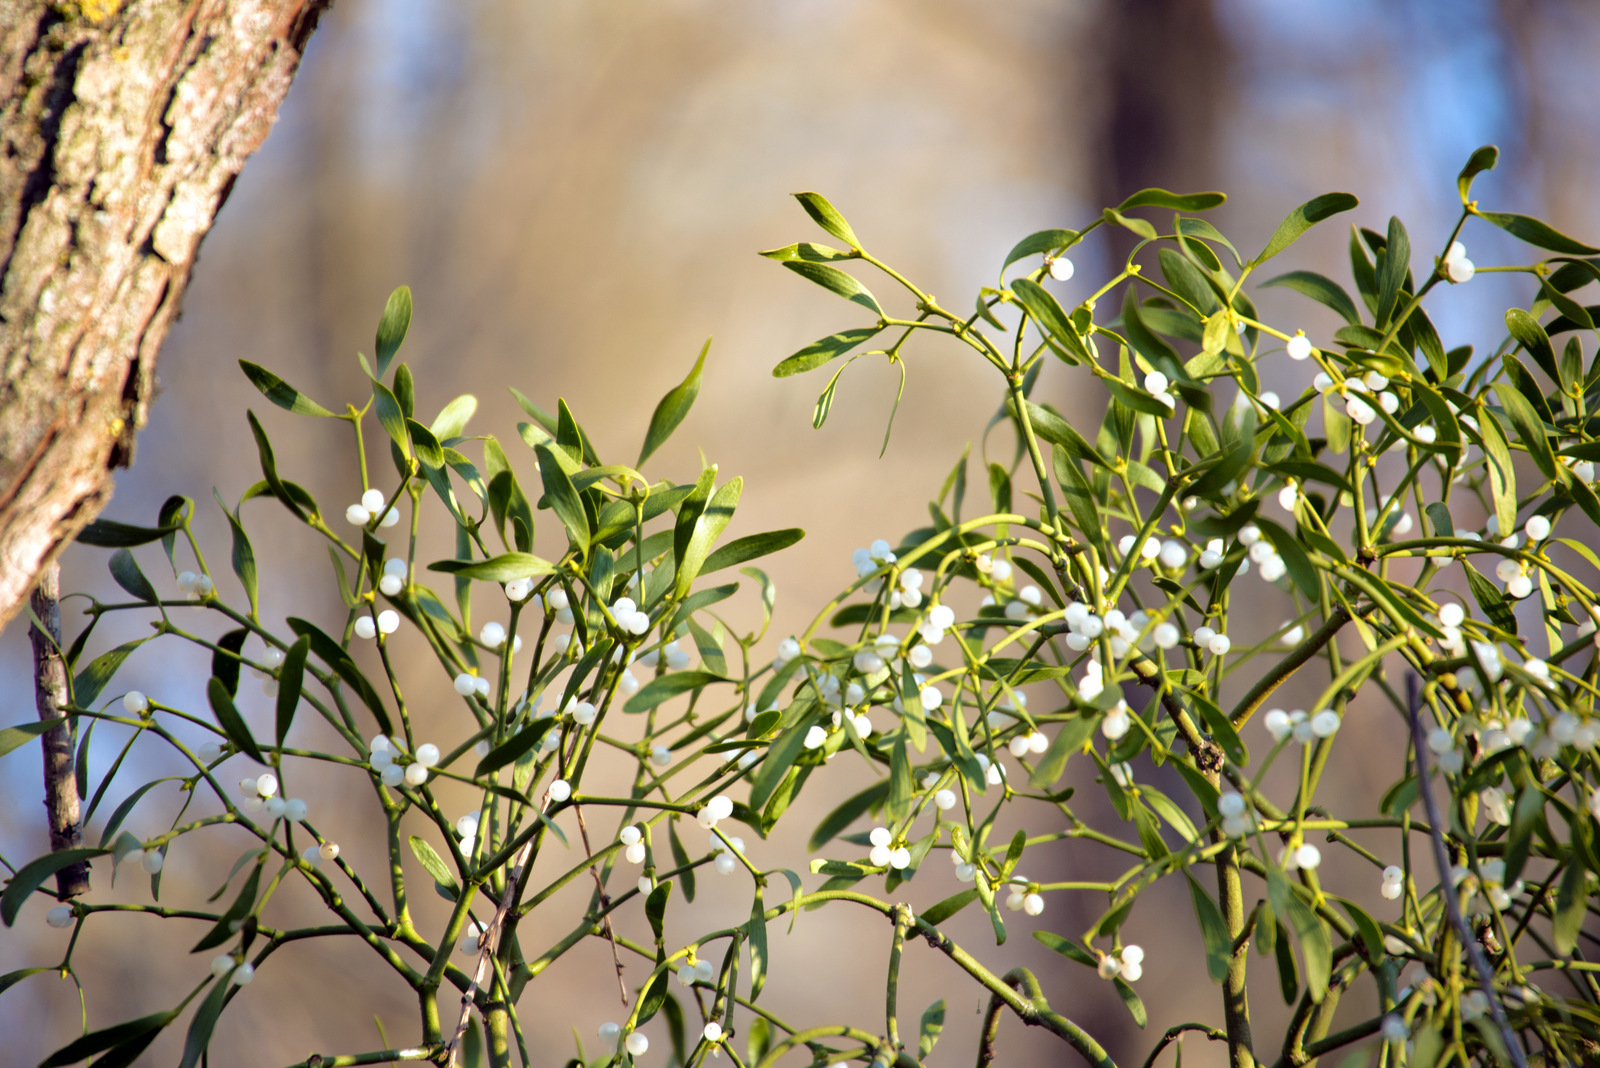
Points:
(50, 697)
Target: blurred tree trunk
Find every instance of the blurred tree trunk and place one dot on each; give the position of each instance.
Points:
(1167, 76)
(122, 129)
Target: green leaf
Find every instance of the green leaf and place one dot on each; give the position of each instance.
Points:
(1053, 323)
(780, 757)
(943, 910)
(1161, 198)
(1439, 520)
(1535, 232)
(751, 547)
(1069, 740)
(335, 657)
(204, 1022)
(1394, 269)
(1057, 431)
(29, 877)
(932, 1025)
(823, 350)
(291, 677)
(12, 737)
(125, 570)
(807, 250)
(511, 749)
(244, 557)
(1367, 928)
(11, 979)
(144, 1028)
(848, 811)
(836, 281)
(655, 908)
(759, 957)
(280, 392)
(391, 417)
(680, 859)
(1079, 497)
(1221, 728)
(452, 421)
(243, 904)
(673, 408)
(507, 567)
(435, 866)
(1571, 902)
(1066, 947)
(232, 723)
(1132, 1001)
(1529, 428)
(1304, 218)
(1531, 336)
(827, 216)
(426, 446)
(226, 667)
(110, 534)
(1483, 159)
(665, 687)
(1213, 931)
(692, 540)
(269, 471)
(392, 327)
(1320, 288)
(1502, 476)
(115, 822)
(88, 684)
(1041, 241)
(1301, 570)
(902, 790)
(563, 499)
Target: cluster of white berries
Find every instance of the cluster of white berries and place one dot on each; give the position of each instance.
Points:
(223, 966)
(1117, 722)
(1128, 966)
(1305, 855)
(1298, 725)
(1394, 882)
(628, 616)
(716, 810)
(1235, 815)
(261, 794)
(636, 1042)
(1021, 899)
(314, 855)
(194, 584)
(726, 863)
(394, 576)
(518, 589)
(940, 618)
(1023, 744)
(1155, 383)
(151, 860)
(674, 657)
(1456, 265)
(1212, 641)
(371, 504)
(493, 635)
(384, 755)
(788, 649)
(1170, 554)
(701, 971)
(867, 561)
(468, 685)
(1262, 553)
(633, 839)
(467, 828)
(271, 659)
(388, 622)
(884, 853)
(1359, 395)
(966, 871)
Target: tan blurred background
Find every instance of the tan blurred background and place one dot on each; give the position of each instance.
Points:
(575, 192)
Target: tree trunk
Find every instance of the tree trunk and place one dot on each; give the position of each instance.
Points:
(122, 128)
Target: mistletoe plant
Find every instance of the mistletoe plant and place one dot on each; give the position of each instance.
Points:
(973, 665)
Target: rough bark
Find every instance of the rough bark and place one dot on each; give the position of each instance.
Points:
(50, 698)
(122, 129)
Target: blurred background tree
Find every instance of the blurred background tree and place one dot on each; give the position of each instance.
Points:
(575, 192)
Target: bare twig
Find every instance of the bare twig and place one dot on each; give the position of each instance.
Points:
(489, 941)
(1480, 963)
(605, 907)
(50, 697)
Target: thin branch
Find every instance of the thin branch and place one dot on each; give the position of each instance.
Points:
(1480, 963)
(605, 906)
(51, 698)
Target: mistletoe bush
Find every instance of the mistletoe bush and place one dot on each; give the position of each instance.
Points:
(1084, 619)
